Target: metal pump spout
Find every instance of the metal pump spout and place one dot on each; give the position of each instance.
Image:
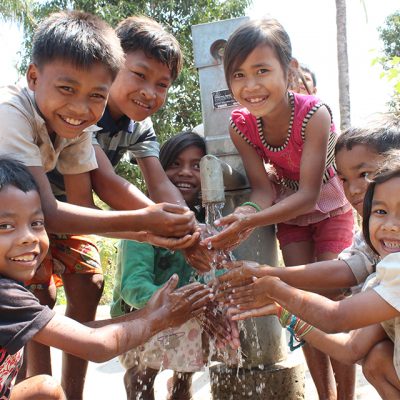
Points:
(217, 176)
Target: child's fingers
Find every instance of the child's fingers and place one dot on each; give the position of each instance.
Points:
(176, 209)
(269, 309)
(200, 299)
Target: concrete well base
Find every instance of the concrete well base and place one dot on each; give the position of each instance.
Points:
(282, 381)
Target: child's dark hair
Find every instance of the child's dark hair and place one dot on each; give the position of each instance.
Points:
(380, 135)
(145, 34)
(389, 169)
(79, 38)
(14, 173)
(252, 34)
(171, 149)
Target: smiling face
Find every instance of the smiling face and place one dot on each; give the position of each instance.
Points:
(310, 83)
(384, 221)
(140, 88)
(184, 173)
(260, 83)
(23, 239)
(355, 166)
(70, 99)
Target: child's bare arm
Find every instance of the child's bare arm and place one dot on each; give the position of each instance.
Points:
(344, 347)
(319, 275)
(161, 219)
(319, 311)
(114, 190)
(301, 202)
(100, 341)
(159, 186)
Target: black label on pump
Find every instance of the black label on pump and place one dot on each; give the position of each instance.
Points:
(223, 99)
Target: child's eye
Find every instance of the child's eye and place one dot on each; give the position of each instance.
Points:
(196, 165)
(139, 74)
(163, 85)
(38, 224)
(98, 96)
(5, 227)
(67, 89)
(380, 211)
(237, 75)
(364, 175)
(262, 71)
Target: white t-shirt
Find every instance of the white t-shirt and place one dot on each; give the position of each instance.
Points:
(387, 284)
(24, 136)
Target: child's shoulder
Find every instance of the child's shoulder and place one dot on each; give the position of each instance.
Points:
(19, 102)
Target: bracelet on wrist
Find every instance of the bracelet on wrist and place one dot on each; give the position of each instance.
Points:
(251, 204)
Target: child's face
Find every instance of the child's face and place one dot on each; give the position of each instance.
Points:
(23, 238)
(140, 88)
(184, 173)
(310, 84)
(70, 99)
(259, 84)
(384, 222)
(354, 167)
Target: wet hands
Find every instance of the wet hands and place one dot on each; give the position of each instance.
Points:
(174, 307)
(219, 326)
(200, 257)
(168, 220)
(170, 243)
(237, 228)
(241, 273)
(253, 295)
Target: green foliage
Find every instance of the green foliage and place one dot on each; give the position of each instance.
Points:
(390, 35)
(16, 10)
(390, 61)
(108, 254)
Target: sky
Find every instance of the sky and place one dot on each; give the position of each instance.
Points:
(311, 26)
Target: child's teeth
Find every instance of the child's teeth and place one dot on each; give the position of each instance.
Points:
(24, 258)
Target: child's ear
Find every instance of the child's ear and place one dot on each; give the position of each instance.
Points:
(32, 76)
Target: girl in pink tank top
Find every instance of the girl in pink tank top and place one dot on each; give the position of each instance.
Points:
(295, 135)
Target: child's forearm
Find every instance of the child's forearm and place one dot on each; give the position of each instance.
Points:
(310, 307)
(319, 275)
(293, 206)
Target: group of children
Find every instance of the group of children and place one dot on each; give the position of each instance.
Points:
(91, 91)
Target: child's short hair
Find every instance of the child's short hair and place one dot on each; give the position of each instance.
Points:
(389, 168)
(14, 173)
(381, 135)
(171, 149)
(252, 34)
(143, 33)
(79, 38)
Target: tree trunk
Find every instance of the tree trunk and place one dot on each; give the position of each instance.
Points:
(343, 65)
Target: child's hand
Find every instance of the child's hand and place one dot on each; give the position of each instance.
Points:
(170, 243)
(174, 307)
(237, 314)
(237, 229)
(254, 295)
(217, 325)
(240, 273)
(168, 220)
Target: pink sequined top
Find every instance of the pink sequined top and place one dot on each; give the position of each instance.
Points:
(286, 159)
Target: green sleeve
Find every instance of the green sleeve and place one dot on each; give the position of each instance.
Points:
(137, 264)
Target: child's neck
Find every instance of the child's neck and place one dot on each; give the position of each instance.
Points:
(276, 124)
(115, 112)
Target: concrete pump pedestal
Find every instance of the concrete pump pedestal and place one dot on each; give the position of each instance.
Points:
(284, 380)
